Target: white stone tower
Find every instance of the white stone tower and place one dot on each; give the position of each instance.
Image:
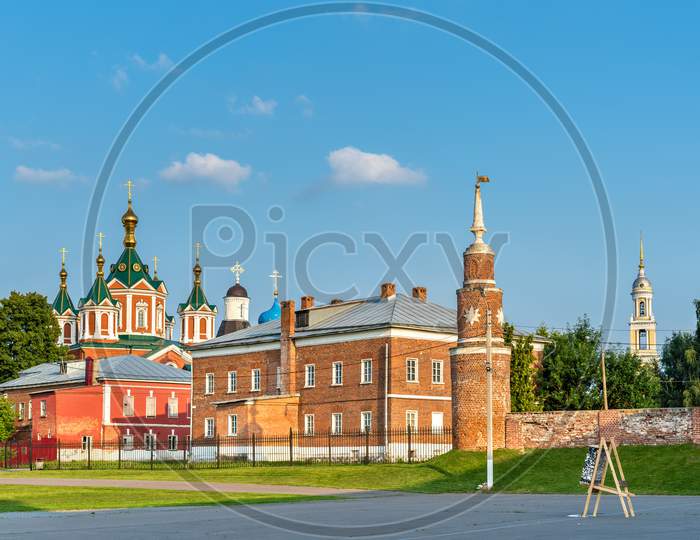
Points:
(642, 322)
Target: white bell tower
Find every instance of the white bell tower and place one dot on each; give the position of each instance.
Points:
(642, 322)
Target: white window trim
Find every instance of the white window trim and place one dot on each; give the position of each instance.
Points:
(333, 368)
(213, 425)
(128, 405)
(306, 375)
(172, 437)
(42, 408)
(415, 370)
(412, 412)
(232, 433)
(207, 390)
(442, 371)
(335, 424)
(228, 382)
(306, 425)
(152, 399)
(362, 421)
(362, 371)
(176, 412)
(253, 387)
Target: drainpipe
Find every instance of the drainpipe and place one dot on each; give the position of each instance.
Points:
(386, 398)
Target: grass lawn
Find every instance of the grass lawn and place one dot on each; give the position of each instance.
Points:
(660, 470)
(14, 498)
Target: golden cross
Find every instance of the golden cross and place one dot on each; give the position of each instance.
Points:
(237, 270)
(197, 245)
(63, 252)
(275, 278)
(129, 184)
(100, 236)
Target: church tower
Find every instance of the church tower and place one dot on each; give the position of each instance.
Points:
(642, 322)
(197, 316)
(99, 311)
(479, 309)
(64, 310)
(236, 305)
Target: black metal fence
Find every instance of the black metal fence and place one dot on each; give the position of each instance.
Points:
(234, 451)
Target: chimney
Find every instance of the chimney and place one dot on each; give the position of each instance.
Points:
(336, 301)
(63, 367)
(388, 290)
(288, 349)
(90, 371)
(307, 302)
(421, 293)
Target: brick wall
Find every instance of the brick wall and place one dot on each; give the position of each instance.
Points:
(580, 428)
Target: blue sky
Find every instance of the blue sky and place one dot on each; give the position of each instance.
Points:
(356, 124)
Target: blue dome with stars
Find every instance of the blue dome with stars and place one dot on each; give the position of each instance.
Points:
(272, 314)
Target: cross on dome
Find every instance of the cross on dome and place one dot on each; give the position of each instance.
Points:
(129, 185)
(275, 278)
(100, 237)
(63, 252)
(237, 270)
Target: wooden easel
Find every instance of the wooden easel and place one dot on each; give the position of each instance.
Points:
(610, 452)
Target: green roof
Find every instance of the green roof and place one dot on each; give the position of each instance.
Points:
(127, 341)
(129, 270)
(63, 302)
(98, 293)
(196, 300)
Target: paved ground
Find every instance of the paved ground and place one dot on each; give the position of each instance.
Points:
(499, 516)
(223, 487)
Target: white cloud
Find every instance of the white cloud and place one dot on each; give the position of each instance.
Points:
(120, 78)
(161, 63)
(43, 176)
(28, 144)
(207, 167)
(306, 105)
(350, 165)
(257, 106)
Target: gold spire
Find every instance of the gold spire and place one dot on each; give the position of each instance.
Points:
(197, 270)
(129, 220)
(100, 259)
(63, 274)
(478, 227)
(641, 252)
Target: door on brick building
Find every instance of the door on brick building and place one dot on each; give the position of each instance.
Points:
(437, 419)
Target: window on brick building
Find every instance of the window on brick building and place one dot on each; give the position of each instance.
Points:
(141, 313)
(149, 441)
(233, 425)
(127, 442)
(337, 374)
(437, 372)
(29, 410)
(128, 405)
(172, 407)
(42, 408)
(310, 375)
(366, 371)
(308, 424)
(412, 369)
(232, 381)
(366, 421)
(209, 383)
(20, 411)
(172, 442)
(86, 442)
(208, 427)
(437, 421)
(337, 423)
(412, 419)
(255, 380)
(150, 406)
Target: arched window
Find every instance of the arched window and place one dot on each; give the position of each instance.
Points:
(642, 308)
(141, 314)
(67, 334)
(159, 318)
(91, 323)
(643, 341)
(104, 324)
(202, 329)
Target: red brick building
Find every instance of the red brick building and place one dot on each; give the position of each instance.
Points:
(126, 399)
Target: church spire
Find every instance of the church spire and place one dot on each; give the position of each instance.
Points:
(129, 220)
(641, 253)
(100, 259)
(63, 274)
(478, 227)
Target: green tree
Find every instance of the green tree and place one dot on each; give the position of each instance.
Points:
(567, 380)
(523, 397)
(7, 419)
(679, 368)
(631, 383)
(28, 334)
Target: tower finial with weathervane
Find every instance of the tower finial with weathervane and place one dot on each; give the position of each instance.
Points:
(478, 227)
